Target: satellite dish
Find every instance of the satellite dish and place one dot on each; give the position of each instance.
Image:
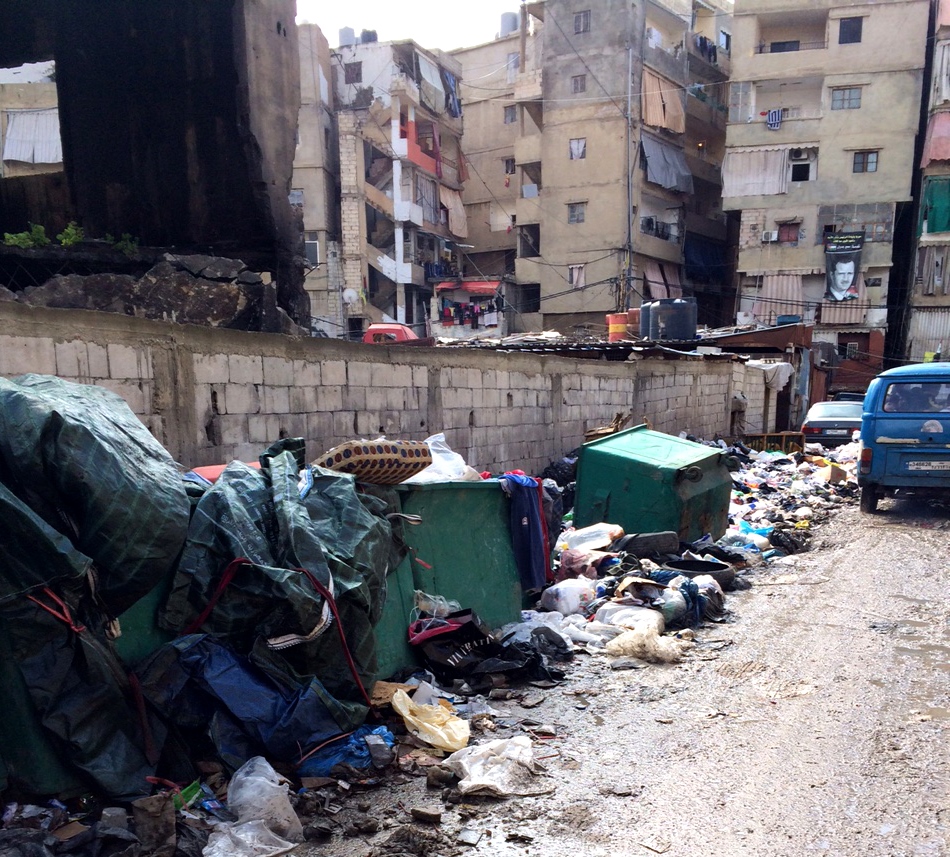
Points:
(350, 296)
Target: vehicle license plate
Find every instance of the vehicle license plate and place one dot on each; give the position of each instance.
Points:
(837, 431)
(928, 465)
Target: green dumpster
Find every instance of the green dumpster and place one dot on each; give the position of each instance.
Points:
(648, 481)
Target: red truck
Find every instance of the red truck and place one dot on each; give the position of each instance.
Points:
(391, 333)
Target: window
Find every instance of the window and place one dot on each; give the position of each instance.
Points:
(850, 350)
(848, 98)
(511, 114)
(788, 233)
(828, 229)
(864, 162)
(784, 47)
(725, 41)
(311, 243)
(849, 31)
(801, 172)
(296, 196)
(582, 22)
(353, 72)
(876, 232)
(579, 83)
(578, 148)
(514, 63)
(576, 212)
(509, 166)
(575, 276)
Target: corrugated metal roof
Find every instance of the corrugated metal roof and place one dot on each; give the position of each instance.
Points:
(929, 329)
(32, 136)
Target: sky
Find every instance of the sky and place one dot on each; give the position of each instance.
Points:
(444, 25)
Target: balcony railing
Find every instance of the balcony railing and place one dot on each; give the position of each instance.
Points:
(659, 229)
(788, 47)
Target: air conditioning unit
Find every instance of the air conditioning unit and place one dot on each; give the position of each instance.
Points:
(799, 155)
(770, 237)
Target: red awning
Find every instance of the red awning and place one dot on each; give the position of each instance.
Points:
(937, 145)
(473, 287)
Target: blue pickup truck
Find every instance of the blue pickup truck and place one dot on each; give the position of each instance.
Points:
(905, 434)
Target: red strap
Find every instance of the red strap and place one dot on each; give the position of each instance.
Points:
(545, 532)
(226, 577)
(62, 614)
(339, 627)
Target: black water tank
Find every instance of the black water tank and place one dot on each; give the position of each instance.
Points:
(673, 319)
(645, 310)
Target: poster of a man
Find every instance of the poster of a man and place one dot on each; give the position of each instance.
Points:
(842, 265)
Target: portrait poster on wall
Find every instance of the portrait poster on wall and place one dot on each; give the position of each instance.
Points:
(842, 265)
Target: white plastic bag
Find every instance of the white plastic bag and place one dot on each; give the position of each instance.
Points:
(247, 839)
(258, 793)
(447, 466)
(568, 596)
(502, 768)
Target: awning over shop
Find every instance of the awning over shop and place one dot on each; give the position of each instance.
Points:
(32, 136)
(666, 166)
(473, 287)
(937, 145)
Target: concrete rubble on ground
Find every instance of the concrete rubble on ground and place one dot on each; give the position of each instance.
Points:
(257, 720)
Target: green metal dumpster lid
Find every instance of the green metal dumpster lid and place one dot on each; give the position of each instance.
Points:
(654, 447)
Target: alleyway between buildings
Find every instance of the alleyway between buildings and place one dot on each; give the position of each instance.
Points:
(815, 721)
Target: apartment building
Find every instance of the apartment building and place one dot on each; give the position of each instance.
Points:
(823, 114)
(315, 190)
(928, 317)
(399, 122)
(588, 132)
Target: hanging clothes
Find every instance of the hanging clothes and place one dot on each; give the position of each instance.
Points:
(528, 538)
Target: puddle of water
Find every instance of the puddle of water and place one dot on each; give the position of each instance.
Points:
(937, 655)
(908, 598)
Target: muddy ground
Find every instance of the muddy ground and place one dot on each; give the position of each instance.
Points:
(815, 721)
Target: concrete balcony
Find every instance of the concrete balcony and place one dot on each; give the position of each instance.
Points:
(528, 86)
(705, 170)
(700, 63)
(706, 113)
(528, 210)
(794, 132)
(528, 149)
(658, 248)
(707, 225)
(378, 200)
(671, 64)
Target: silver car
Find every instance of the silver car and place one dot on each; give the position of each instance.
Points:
(832, 423)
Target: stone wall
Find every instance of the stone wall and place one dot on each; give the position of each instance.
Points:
(211, 395)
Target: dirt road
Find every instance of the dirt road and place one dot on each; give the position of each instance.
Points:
(816, 722)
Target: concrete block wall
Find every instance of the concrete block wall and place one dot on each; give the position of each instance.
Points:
(212, 395)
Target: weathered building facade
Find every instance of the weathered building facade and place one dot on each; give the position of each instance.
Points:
(578, 131)
(927, 322)
(823, 112)
(401, 175)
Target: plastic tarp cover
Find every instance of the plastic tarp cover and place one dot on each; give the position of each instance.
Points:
(76, 453)
(83, 698)
(201, 684)
(342, 538)
(666, 166)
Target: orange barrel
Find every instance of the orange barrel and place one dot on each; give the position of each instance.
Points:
(633, 323)
(616, 326)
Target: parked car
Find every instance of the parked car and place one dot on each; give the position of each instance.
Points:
(847, 396)
(905, 434)
(832, 423)
(390, 333)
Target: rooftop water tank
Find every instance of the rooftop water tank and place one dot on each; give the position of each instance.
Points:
(509, 23)
(673, 319)
(347, 36)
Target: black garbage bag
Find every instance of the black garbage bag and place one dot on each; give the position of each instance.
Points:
(81, 693)
(460, 646)
(243, 709)
(27, 843)
(85, 464)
